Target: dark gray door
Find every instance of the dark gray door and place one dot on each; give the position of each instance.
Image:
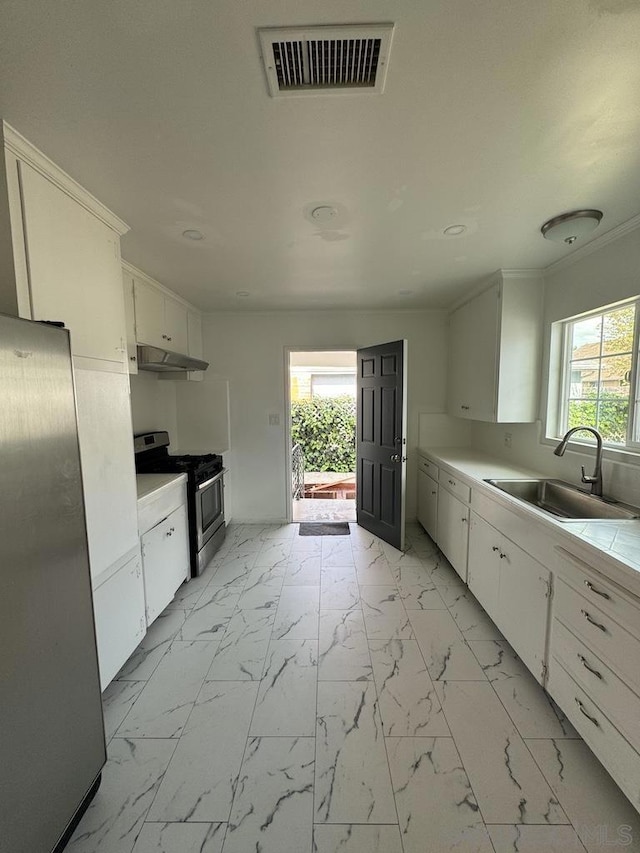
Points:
(380, 447)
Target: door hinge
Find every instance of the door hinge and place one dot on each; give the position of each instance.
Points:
(143, 626)
(549, 585)
(543, 673)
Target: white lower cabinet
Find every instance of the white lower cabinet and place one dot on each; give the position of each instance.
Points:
(453, 530)
(165, 554)
(484, 569)
(428, 503)
(514, 589)
(525, 587)
(119, 616)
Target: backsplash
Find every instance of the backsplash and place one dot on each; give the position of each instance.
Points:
(621, 479)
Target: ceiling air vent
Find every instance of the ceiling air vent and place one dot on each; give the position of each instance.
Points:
(326, 60)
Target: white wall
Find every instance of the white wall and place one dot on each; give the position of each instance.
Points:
(605, 276)
(153, 405)
(249, 349)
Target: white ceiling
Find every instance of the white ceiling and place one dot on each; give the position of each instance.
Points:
(497, 114)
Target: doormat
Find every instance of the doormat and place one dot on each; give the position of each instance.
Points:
(324, 528)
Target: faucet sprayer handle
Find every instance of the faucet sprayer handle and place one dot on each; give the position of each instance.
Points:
(586, 478)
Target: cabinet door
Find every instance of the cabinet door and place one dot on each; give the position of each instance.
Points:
(165, 555)
(119, 615)
(130, 321)
(150, 322)
(473, 342)
(453, 532)
(484, 563)
(428, 503)
(175, 316)
(194, 330)
(523, 607)
(74, 269)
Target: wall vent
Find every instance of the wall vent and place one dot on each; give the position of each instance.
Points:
(326, 60)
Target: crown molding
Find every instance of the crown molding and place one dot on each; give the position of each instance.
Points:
(28, 153)
(143, 276)
(599, 242)
(496, 277)
(523, 273)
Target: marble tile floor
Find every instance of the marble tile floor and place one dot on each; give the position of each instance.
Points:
(333, 695)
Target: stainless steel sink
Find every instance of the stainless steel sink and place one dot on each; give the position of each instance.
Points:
(564, 501)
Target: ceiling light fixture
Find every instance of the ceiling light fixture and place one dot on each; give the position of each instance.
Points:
(569, 227)
(454, 230)
(324, 213)
(193, 234)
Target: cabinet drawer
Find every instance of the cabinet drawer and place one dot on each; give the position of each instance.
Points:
(613, 750)
(604, 687)
(428, 468)
(599, 632)
(458, 488)
(598, 590)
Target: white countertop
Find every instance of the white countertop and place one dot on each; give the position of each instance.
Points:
(618, 541)
(148, 484)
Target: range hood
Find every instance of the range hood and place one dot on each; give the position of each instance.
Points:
(162, 360)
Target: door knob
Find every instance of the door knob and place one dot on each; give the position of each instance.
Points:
(395, 457)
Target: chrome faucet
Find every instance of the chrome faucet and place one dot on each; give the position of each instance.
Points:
(595, 480)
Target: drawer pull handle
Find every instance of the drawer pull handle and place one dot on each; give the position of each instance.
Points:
(451, 482)
(586, 713)
(495, 549)
(592, 621)
(434, 493)
(590, 586)
(586, 665)
(502, 556)
(464, 520)
(466, 408)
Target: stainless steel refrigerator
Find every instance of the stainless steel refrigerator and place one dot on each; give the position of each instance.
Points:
(52, 745)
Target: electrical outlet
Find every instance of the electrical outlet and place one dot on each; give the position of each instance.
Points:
(507, 439)
(274, 420)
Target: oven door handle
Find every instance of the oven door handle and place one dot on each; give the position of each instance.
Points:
(210, 482)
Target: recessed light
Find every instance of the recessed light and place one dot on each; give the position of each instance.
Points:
(242, 294)
(193, 234)
(454, 230)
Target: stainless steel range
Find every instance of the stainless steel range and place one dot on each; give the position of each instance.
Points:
(205, 492)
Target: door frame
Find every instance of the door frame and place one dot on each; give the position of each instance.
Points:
(287, 408)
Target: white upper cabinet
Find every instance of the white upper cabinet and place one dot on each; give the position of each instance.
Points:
(73, 263)
(494, 352)
(149, 315)
(130, 321)
(175, 315)
(194, 325)
(155, 318)
(160, 320)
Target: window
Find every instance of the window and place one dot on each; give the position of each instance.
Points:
(598, 376)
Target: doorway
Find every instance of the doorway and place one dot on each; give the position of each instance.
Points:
(322, 434)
